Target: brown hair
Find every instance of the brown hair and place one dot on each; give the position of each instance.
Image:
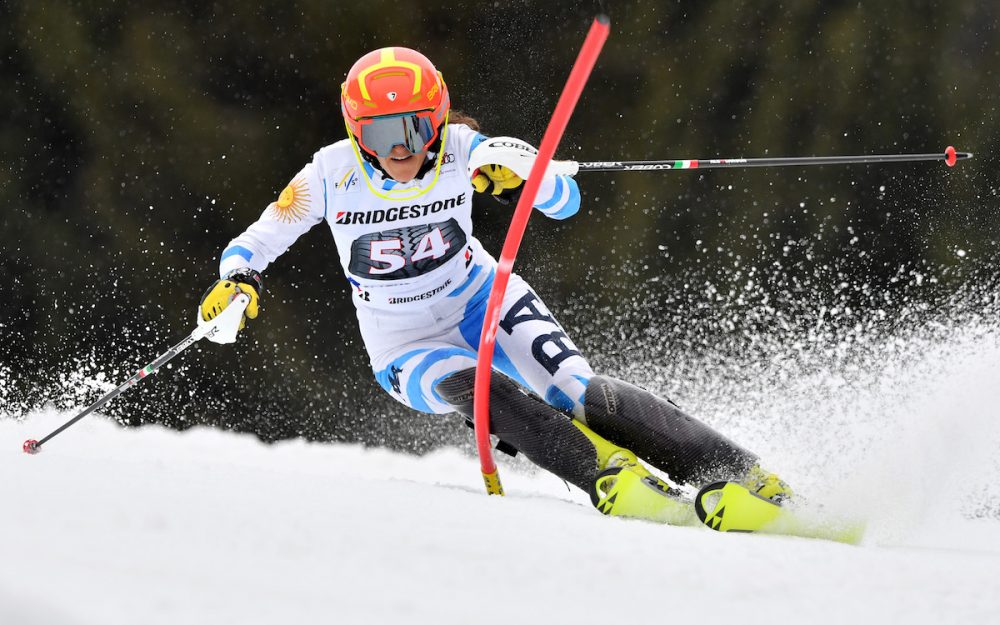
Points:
(458, 117)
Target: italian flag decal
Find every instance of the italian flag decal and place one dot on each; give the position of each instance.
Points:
(685, 165)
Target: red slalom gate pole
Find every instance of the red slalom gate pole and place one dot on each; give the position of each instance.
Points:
(598, 34)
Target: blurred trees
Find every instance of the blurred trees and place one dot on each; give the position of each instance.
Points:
(139, 139)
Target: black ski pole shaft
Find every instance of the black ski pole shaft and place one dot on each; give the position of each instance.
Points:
(33, 446)
(227, 319)
(950, 157)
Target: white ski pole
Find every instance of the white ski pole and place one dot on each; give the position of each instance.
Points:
(222, 329)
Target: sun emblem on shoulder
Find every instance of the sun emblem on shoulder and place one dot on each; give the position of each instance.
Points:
(293, 202)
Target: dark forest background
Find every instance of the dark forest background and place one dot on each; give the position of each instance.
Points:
(137, 140)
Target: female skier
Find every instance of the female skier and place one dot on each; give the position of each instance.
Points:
(397, 195)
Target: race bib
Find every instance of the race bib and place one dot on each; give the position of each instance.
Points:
(405, 252)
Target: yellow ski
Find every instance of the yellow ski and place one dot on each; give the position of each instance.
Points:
(730, 507)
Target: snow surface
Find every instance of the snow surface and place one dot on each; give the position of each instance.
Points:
(148, 525)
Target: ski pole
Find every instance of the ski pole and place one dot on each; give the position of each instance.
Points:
(950, 157)
(226, 319)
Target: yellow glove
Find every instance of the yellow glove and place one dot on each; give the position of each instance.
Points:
(497, 179)
(218, 296)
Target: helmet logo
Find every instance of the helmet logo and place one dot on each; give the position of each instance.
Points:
(392, 96)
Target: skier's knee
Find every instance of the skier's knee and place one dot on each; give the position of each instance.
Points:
(566, 392)
(524, 421)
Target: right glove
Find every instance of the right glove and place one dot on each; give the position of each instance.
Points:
(496, 179)
(503, 184)
(218, 296)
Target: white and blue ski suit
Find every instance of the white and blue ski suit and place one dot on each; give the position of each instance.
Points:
(420, 278)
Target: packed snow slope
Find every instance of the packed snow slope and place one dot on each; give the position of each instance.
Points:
(110, 525)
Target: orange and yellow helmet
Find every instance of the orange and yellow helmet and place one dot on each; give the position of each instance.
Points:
(394, 96)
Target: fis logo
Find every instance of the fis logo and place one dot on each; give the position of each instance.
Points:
(349, 180)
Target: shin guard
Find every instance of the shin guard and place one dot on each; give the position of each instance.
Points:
(689, 451)
(524, 421)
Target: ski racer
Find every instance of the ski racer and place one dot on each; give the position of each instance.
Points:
(397, 196)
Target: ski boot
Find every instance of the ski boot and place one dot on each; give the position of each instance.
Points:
(624, 487)
(752, 504)
(732, 507)
(628, 489)
(767, 485)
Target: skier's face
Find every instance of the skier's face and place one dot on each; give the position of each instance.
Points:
(402, 165)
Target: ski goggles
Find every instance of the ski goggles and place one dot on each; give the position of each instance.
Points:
(413, 131)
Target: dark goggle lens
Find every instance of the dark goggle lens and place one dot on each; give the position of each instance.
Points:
(381, 134)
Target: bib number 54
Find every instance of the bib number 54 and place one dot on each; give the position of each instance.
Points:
(389, 252)
(406, 252)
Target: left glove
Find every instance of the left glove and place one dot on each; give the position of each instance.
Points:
(500, 181)
(222, 292)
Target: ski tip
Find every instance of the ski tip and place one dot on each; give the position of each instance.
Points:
(30, 446)
(950, 156)
(603, 19)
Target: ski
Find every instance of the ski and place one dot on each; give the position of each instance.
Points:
(731, 507)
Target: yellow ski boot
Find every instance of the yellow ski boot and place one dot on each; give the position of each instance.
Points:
(749, 505)
(624, 487)
(767, 485)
